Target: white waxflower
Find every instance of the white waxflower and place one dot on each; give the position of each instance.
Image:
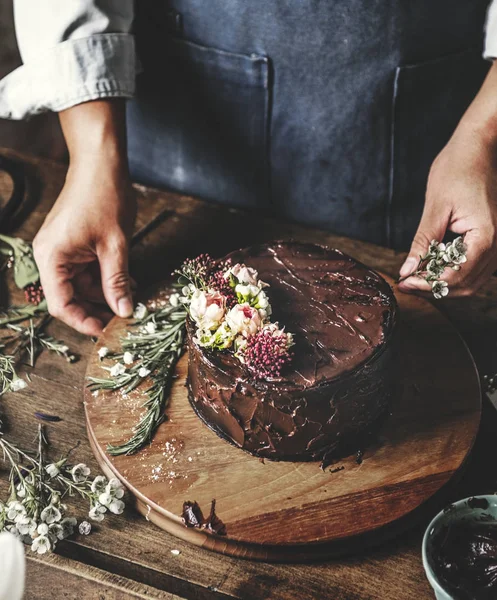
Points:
(440, 289)
(115, 488)
(52, 470)
(17, 384)
(102, 352)
(65, 528)
(174, 299)
(15, 510)
(98, 484)
(42, 529)
(116, 506)
(143, 372)
(105, 498)
(434, 268)
(140, 311)
(150, 327)
(21, 490)
(41, 544)
(455, 252)
(128, 358)
(51, 514)
(97, 512)
(117, 369)
(25, 525)
(80, 473)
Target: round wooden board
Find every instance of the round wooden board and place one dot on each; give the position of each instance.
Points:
(295, 511)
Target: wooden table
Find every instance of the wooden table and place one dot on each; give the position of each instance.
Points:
(127, 557)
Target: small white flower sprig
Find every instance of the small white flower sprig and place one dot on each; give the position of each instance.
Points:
(439, 257)
(148, 356)
(35, 510)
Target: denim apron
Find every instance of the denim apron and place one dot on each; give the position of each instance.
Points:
(325, 112)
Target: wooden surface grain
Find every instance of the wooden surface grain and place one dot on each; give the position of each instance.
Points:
(422, 445)
(132, 548)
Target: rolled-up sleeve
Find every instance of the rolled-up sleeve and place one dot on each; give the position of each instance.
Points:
(72, 51)
(490, 49)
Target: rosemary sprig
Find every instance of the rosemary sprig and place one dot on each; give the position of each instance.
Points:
(152, 349)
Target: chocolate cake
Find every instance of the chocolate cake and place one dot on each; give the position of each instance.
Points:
(339, 383)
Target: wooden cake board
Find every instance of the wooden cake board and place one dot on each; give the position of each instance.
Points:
(295, 511)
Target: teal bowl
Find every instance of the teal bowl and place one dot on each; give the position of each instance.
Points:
(463, 510)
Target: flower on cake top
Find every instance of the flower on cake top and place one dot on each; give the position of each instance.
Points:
(207, 309)
(231, 312)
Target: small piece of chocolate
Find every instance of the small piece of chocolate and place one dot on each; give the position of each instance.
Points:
(193, 517)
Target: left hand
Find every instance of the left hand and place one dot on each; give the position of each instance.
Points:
(461, 197)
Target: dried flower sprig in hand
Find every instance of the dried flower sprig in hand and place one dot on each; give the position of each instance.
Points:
(35, 511)
(439, 257)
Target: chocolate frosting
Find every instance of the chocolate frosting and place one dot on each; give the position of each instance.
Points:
(342, 315)
(465, 559)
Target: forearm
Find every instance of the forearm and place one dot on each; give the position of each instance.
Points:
(481, 116)
(95, 134)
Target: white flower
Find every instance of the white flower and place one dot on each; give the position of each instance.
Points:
(116, 506)
(117, 369)
(174, 299)
(207, 309)
(455, 252)
(21, 490)
(102, 352)
(51, 514)
(15, 510)
(42, 529)
(99, 484)
(128, 358)
(143, 372)
(434, 268)
(105, 498)
(25, 525)
(52, 470)
(65, 528)
(140, 311)
(440, 289)
(115, 488)
(80, 473)
(150, 327)
(17, 384)
(244, 319)
(243, 274)
(41, 544)
(97, 512)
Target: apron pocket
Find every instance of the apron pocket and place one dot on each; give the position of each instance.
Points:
(429, 100)
(199, 122)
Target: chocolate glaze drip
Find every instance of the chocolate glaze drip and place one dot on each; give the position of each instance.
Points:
(465, 559)
(339, 383)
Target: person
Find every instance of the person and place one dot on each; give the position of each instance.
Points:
(336, 114)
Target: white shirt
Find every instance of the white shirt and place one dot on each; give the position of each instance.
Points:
(79, 50)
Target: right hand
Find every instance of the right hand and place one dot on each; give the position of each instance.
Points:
(82, 248)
